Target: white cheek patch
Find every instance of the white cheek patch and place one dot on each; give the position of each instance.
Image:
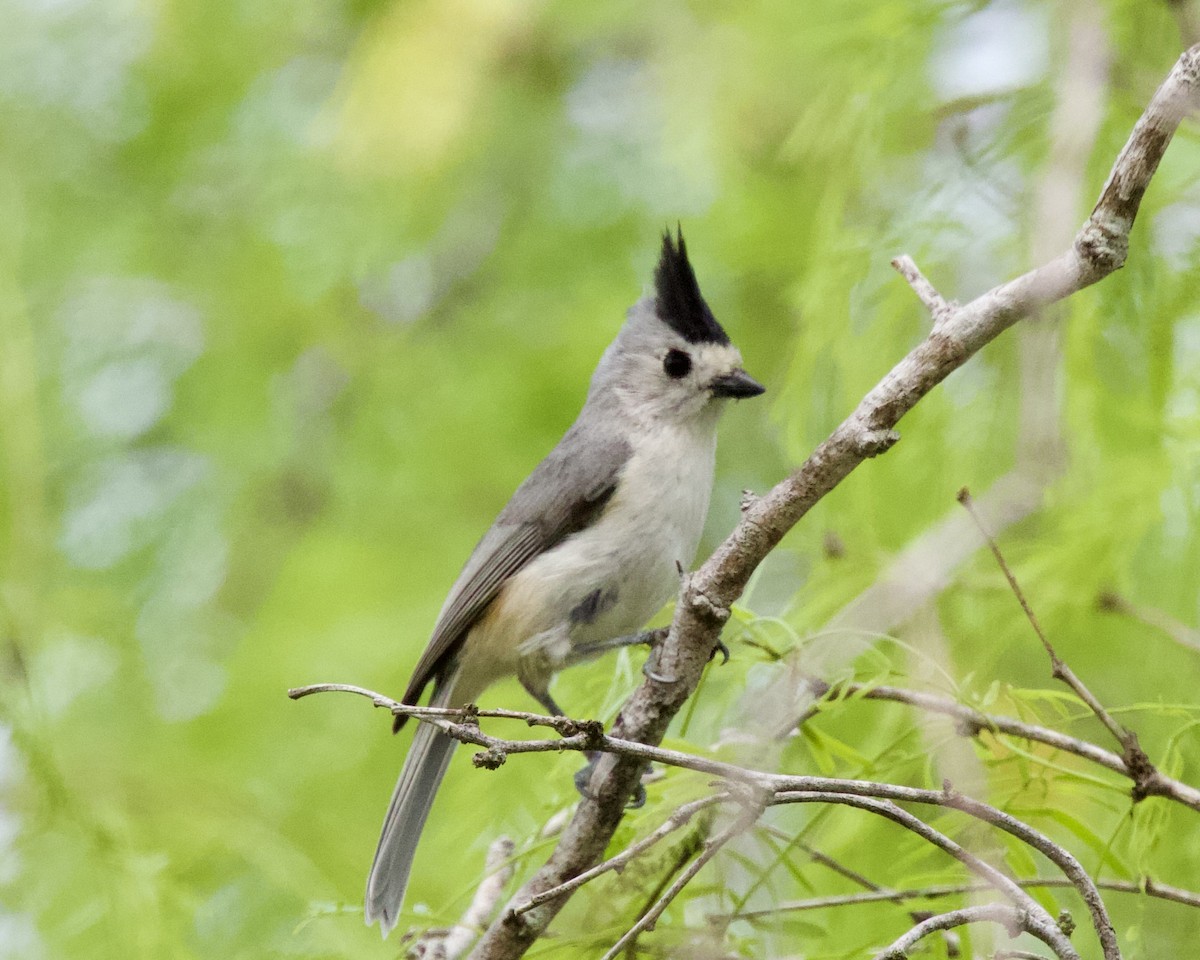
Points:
(710, 360)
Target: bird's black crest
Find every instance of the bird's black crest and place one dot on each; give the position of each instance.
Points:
(678, 302)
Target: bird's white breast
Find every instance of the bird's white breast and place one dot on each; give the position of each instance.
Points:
(632, 554)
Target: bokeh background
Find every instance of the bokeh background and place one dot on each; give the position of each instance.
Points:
(292, 295)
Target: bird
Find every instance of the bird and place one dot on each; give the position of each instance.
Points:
(590, 546)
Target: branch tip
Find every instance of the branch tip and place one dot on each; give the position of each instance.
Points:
(939, 308)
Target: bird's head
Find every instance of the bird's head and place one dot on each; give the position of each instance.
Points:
(672, 361)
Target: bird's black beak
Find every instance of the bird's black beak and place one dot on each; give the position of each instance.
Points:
(737, 385)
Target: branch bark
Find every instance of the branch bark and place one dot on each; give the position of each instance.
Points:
(1008, 917)
(1099, 248)
(1145, 887)
(922, 570)
(973, 722)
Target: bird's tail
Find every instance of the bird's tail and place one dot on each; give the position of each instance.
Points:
(423, 769)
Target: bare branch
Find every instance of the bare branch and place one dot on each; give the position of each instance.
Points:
(751, 810)
(935, 303)
(1145, 886)
(973, 722)
(1146, 778)
(1112, 602)
(577, 735)
(804, 788)
(778, 788)
(1012, 919)
(563, 725)
(679, 818)
(1035, 918)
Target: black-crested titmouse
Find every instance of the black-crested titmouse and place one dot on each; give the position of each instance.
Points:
(588, 548)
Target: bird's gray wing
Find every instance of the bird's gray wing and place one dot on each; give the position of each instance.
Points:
(565, 494)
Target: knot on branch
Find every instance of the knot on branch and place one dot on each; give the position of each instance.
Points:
(489, 759)
(749, 500)
(470, 715)
(1103, 243)
(593, 733)
(519, 925)
(871, 443)
(706, 607)
(1143, 772)
(563, 726)
(1015, 922)
(1066, 922)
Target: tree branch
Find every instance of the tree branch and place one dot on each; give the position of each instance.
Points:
(806, 788)
(1012, 919)
(751, 810)
(706, 596)
(679, 818)
(1146, 886)
(1146, 778)
(973, 722)
(879, 798)
(1035, 918)
(1112, 602)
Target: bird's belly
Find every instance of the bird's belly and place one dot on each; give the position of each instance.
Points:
(605, 581)
(608, 580)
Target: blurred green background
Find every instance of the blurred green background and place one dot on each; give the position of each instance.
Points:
(292, 296)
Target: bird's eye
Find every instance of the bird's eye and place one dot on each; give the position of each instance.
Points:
(676, 364)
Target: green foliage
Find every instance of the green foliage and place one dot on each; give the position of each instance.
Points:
(293, 295)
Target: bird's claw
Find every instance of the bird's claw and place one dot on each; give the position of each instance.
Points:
(650, 674)
(722, 650)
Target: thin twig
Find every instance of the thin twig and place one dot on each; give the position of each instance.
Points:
(1056, 854)
(1112, 602)
(1145, 774)
(749, 814)
(691, 845)
(1144, 887)
(679, 818)
(1012, 919)
(939, 309)
(972, 722)
(460, 723)
(563, 725)
(1036, 920)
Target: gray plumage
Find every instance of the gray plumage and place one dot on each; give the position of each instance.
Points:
(588, 547)
(562, 496)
